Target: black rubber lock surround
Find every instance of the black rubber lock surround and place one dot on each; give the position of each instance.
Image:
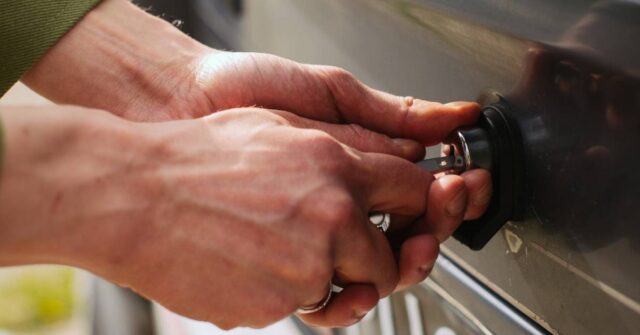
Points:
(508, 199)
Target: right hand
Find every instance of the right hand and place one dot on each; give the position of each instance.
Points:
(257, 213)
(238, 218)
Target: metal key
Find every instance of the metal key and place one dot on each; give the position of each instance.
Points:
(443, 164)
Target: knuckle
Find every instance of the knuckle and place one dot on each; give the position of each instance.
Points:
(330, 156)
(277, 307)
(341, 82)
(340, 76)
(337, 212)
(225, 324)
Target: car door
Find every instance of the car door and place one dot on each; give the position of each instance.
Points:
(571, 72)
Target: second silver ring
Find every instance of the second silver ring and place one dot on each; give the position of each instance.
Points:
(320, 305)
(382, 221)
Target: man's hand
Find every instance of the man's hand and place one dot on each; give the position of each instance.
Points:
(214, 218)
(123, 60)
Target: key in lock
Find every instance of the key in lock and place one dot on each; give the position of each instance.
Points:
(494, 144)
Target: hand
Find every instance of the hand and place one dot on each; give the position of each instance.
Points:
(121, 59)
(143, 69)
(196, 214)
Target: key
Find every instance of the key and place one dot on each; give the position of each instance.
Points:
(451, 163)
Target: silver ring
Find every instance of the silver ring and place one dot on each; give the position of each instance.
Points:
(382, 221)
(320, 305)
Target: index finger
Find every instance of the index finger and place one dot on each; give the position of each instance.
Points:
(425, 121)
(392, 185)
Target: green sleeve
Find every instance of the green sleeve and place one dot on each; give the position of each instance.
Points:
(28, 28)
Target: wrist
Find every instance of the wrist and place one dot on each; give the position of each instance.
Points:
(124, 60)
(70, 192)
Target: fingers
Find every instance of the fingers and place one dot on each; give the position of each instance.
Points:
(360, 253)
(363, 261)
(395, 186)
(479, 188)
(346, 307)
(360, 138)
(332, 95)
(446, 206)
(416, 259)
(451, 199)
(392, 185)
(419, 247)
(363, 255)
(406, 117)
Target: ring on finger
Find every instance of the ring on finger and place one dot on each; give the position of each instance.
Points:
(382, 221)
(320, 305)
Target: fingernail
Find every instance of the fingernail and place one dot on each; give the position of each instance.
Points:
(457, 205)
(483, 196)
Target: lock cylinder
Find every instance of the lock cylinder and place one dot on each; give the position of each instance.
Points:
(474, 145)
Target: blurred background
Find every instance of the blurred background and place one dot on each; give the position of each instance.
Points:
(42, 300)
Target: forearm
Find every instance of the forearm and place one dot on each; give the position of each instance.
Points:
(120, 59)
(67, 183)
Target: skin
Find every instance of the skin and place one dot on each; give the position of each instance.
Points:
(246, 188)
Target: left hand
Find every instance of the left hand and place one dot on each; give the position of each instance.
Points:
(322, 93)
(123, 60)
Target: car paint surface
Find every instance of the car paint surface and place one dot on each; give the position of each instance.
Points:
(570, 69)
